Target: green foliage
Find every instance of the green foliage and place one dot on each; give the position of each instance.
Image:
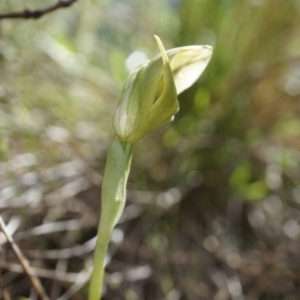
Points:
(240, 181)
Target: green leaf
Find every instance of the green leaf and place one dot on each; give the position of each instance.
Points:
(114, 184)
(240, 176)
(254, 191)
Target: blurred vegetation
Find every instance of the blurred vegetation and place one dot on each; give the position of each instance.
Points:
(213, 197)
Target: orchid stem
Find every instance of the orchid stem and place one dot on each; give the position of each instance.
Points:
(113, 197)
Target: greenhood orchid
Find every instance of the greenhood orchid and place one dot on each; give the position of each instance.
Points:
(148, 100)
(149, 96)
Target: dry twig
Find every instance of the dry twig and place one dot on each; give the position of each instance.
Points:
(24, 262)
(49, 274)
(4, 294)
(36, 14)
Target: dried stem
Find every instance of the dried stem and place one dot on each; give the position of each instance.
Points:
(24, 262)
(4, 294)
(35, 14)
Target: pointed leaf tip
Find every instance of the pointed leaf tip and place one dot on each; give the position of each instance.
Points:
(162, 50)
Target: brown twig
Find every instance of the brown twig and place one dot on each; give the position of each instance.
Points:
(4, 294)
(35, 14)
(54, 275)
(24, 262)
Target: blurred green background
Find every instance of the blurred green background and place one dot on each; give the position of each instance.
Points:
(213, 197)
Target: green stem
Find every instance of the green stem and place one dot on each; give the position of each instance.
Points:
(113, 197)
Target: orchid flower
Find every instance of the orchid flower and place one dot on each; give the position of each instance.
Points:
(149, 96)
(148, 100)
